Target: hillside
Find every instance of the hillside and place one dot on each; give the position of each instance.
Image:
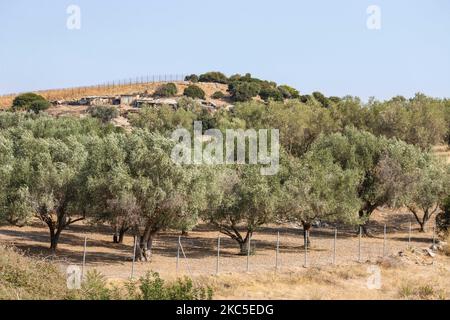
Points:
(78, 93)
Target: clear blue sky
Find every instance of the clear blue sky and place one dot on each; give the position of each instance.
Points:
(312, 45)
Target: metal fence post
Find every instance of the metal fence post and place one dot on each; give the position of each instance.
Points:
(277, 253)
(384, 241)
(248, 253)
(359, 245)
(178, 253)
(306, 250)
(134, 258)
(409, 235)
(84, 258)
(434, 236)
(218, 255)
(334, 246)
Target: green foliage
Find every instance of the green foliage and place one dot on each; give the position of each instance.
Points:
(30, 101)
(270, 93)
(324, 101)
(104, 113)
(166, 90)
(194, 92)
(289, 92)
(443, 219)
(152, 287)
(192, 78)
(218, 95)
(242, 91)
(216, 77)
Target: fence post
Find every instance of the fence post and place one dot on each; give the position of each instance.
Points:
(218, 255)
(277, 252)
(434, 236)
(306, 250)
(84, 258)
(359, 245)
(178, 253)
(409, 235)
(134, 258)
(384, 241)
(334, 246)
(248, 252)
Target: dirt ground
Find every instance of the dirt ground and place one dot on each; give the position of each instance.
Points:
(200, 248)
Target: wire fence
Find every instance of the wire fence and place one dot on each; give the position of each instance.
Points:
(131, 81)
(272, 250)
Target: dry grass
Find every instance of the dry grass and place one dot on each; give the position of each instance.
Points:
(340, 283)
(25, 278)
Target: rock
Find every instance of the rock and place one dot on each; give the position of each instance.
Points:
(430, 253)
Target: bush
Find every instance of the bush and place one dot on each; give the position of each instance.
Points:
(321, 99)
(23, 278)
(194, 92)
(218, 95)
(243, 91)
(104, 113)
(269, 93)
(152, 287)
(191, 78)
(166, 90)
(289, 92)
(216, 77)
(443, 219)
(30, 101)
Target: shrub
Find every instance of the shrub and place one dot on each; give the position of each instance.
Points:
(243, 91)
(443, 219)
(152, 287)
(166, 90)
(30, 101)
(191, 78)
(216, 77)
(218, 95)
(269, 93)
(289, 92)
(194, 92)
(321, 99)
(104, 113)
(23, 278)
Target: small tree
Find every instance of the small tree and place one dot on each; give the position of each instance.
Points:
(319, 189)
(166, 90)
(30, 101)
(104, 113)
(216, 77)
(192, 78)
(242, 91)
(270, 93)
(240, 200)
(194, 92)
(289, 92)
(218, 95)
(428, 191)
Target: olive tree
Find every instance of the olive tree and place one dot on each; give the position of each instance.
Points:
(240, 200)
(317, 188)
(428, 191)
(45, 183)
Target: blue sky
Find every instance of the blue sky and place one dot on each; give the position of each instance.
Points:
(312, 45)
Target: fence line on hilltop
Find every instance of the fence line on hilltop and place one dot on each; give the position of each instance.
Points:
(145, 79)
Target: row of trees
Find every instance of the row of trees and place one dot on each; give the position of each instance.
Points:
(66, 170)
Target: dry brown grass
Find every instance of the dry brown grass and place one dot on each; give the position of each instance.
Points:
(339, 283)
